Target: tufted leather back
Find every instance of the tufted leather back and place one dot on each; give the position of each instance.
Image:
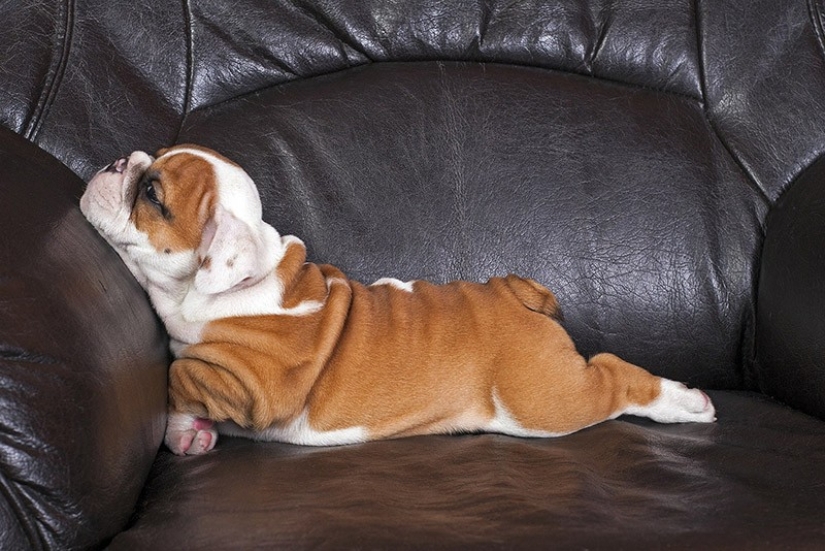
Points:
(625, 154)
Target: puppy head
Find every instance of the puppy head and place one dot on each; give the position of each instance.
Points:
(189, 217)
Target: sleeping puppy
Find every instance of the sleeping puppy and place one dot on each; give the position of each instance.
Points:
(271, 347)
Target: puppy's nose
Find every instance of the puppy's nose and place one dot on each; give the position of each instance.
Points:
(118, 166)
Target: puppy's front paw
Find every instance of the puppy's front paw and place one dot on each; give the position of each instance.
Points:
(190, 435)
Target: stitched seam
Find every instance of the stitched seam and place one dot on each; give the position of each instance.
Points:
(317, 16)
(593, 55)
(700, 54)
(816, 13)
(190, 66)
(708, 115)
(747, 335)
(12, 499)
(621, 83)
(55, 74)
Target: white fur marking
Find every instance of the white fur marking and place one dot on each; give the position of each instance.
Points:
(677, 403)
(397, 283)
(167, 278)
(298, 432)
(505, 423)
(336, 281)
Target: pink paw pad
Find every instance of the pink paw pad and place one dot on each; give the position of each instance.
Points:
(202, 443)
(190, 435)
(202, 424)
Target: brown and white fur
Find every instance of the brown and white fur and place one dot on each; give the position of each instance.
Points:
(271, 347)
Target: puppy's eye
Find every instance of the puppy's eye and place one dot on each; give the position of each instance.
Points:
(151, 194)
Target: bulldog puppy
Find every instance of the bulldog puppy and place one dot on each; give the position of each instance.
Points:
(271, 347)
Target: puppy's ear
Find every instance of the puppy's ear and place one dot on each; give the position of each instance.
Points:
(231, 253)
(161, 152)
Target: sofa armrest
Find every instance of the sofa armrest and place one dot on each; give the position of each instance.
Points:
(82, 365)
(790, 326)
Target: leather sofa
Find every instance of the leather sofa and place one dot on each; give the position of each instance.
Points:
(657, 163)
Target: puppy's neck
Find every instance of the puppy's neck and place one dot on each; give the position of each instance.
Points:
(185, 311)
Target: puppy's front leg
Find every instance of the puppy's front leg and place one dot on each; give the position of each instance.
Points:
(187, 434)
(201, 393)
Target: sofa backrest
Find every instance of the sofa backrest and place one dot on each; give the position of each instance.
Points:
(623, 153)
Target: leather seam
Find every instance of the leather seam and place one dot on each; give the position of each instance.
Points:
(621, 83)
(700, 55)
(316, 16)
(54, 76)
(815, 9)
(747, 335)
(189, 77)
(593, 54)
(763, 195)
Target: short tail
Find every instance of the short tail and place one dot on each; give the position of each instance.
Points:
(535, 296)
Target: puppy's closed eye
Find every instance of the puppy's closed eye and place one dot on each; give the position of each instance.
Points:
(152, 191)
(151, 194)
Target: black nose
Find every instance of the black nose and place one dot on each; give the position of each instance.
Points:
(117, 166)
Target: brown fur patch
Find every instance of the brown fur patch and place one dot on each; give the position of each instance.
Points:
(186, 186)
(259, 370)
(401, 363)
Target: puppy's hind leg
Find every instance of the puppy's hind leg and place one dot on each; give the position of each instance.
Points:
(574, 394)
(676, 403)
(656, 398)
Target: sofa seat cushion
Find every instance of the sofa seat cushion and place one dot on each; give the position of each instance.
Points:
(752, 481)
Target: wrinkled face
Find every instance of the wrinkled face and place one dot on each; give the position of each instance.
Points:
(161, 214)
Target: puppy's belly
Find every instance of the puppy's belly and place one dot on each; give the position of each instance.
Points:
(301, 432)
(435, 417)
(298, 431)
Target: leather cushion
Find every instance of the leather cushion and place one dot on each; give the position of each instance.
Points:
(82, 365)
(752, 481)
(792, 297)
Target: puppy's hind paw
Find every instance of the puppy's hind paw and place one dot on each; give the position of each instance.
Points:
(190, 435)
(677, 403)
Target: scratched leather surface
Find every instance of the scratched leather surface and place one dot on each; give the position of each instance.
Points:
(653, 162)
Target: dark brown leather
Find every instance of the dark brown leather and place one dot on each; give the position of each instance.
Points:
(791, 295)
(752, 481)
(82, 365)
(763, 72)
(641, 158)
